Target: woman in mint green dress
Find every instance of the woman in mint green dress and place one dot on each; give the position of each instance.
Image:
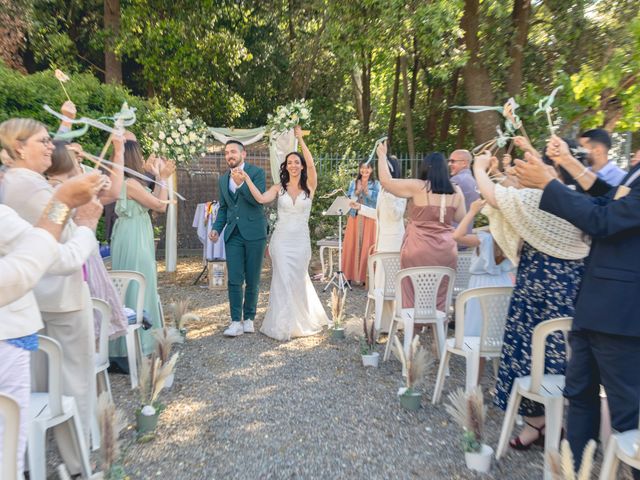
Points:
(132, 246)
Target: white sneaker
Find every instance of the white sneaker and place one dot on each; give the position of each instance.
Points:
(248, 326)
(234, 330)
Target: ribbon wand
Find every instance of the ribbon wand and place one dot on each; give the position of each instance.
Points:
(62, 78)
(545, 105)
(375, 146)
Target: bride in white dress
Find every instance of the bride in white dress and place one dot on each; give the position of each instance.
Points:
(294, 307)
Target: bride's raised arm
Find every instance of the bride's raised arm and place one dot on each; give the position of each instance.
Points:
(312, 174)
(262, 198)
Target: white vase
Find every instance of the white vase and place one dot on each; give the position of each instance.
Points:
(479, 461)
(371, 360)
(168, 383)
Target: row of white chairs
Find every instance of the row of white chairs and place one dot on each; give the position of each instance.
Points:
(52, 408)
(494, 303)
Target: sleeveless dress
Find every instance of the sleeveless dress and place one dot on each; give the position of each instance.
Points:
(428, 242)
(132, 248)
(294, 307)
(484, 273)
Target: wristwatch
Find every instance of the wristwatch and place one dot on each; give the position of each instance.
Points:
(57, 212)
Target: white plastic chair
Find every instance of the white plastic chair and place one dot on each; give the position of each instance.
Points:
(426, 283)
(102, 362)
(121, 280)
(390, 265)
(539, 387)
(462, 273)
(49, 409)
(621, 447)
(10, 412)
(494, 305)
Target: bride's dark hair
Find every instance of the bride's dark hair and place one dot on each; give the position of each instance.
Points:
(284, 174)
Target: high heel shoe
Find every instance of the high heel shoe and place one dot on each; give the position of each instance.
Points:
(517, 444)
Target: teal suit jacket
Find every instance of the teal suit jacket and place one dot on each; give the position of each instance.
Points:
(240, 210)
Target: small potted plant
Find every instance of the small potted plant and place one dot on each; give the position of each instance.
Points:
(165, 338)
(152, 379)
(468, 411)
(368, 344)
(415, 365)
(337, 314)
(560, 464)
(181, 314)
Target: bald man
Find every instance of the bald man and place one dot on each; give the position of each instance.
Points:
(459, 166)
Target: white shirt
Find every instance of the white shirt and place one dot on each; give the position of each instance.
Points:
(28, 193)
(232, 185)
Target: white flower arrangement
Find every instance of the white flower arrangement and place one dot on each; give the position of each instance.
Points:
(288, 116)
(176, 136)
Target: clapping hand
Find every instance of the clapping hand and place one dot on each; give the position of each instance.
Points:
(151, 165)
(167, 168)
(237, 175)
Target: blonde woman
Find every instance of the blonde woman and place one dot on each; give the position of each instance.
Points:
(63, 297)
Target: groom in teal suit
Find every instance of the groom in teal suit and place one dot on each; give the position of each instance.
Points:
(245, 236)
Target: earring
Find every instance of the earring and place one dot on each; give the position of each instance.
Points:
(21, 155)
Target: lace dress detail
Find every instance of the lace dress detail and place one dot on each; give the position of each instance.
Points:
(294, 307)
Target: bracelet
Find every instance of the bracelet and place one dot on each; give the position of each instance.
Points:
(57, 212)
(584, 172)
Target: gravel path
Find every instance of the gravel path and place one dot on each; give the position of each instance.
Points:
(254, 408)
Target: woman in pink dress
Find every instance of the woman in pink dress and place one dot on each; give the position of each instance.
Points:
(435, 203)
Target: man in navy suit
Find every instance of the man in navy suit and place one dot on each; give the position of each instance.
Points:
(605, 339)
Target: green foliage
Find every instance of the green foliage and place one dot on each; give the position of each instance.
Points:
(321, 226)
(24, 96)
(469, 442)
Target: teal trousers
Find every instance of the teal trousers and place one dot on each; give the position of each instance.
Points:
(244, 265)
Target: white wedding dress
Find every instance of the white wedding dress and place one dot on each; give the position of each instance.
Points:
(294, 307)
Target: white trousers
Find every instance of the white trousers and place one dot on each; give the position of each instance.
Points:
(75, 333)
(15, 380)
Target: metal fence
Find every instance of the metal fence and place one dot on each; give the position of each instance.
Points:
(199, 184)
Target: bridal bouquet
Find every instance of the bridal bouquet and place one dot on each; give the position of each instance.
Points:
(176, 136)
(288, 116)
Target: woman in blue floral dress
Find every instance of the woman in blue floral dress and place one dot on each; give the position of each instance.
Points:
(549, 253)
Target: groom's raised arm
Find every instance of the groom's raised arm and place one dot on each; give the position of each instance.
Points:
(259, 179)
(598, 217)
(221, 218)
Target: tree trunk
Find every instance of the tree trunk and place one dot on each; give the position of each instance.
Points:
(367, 60)
(112, 66)
(431, 126)
(414, 73)
(407, 115)
(477, 82)
(451, 98)
(520, 18)
(394, 105)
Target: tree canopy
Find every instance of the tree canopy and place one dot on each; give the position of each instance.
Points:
(369, 67)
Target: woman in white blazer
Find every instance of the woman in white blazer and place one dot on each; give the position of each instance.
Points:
(63, 298)
(26, 253)
(389, 213)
